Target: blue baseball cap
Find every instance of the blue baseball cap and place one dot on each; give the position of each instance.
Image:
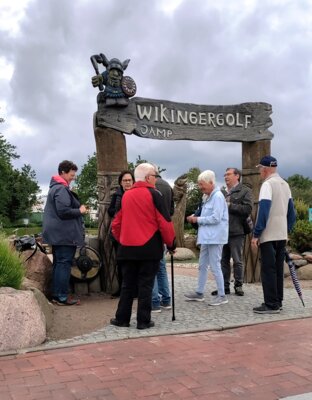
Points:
(267, 161)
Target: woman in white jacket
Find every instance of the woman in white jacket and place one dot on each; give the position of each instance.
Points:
(213, 226)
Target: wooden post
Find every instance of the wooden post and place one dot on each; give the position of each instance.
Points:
(111, 160)
(252, 152)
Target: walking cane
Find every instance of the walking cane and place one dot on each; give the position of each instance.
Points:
(172, 288)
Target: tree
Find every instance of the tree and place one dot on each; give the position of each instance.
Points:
(18, 189)
(24, 190)
(194, 195)
(301, 188)
(87, 183)
(139, 160)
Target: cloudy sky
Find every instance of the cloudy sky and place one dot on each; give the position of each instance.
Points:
(193, 51)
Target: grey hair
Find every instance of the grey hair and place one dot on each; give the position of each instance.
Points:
(207, 176)
(142, 170)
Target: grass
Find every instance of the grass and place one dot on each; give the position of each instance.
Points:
(11, 266)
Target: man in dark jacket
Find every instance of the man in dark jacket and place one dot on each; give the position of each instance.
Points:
(161, 297)
(239, 200)
(142, 227)
(63, 229)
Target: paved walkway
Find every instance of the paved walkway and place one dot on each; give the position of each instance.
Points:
(197, 356)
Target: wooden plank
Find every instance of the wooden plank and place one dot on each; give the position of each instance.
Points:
(166, 120)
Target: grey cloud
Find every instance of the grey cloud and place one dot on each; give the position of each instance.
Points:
(200, 54)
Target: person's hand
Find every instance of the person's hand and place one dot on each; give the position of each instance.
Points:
(171, 252)
(83, 209)
(191, 219)
(255, 242)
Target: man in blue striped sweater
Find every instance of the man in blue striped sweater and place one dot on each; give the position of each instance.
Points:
(275, 219)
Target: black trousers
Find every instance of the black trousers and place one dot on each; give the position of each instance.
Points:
(137, 279)
(272, 272)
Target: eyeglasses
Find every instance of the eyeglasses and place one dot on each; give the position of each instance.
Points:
(126, 180)
(155, 176)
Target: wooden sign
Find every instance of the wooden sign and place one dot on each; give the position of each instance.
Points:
(166, 120)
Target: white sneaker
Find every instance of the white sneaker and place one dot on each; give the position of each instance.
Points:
(194, 296)
(218, 301)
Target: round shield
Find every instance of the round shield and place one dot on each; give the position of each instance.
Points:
(87, 264)
(128, 86)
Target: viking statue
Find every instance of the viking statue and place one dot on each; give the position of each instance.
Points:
(118, 88)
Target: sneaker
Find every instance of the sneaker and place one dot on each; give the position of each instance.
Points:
(145, 326)
(165, 306)
(218, 301)
(239, 291)
(67, 302)
(215, 292)
(194, 296)
(264, 309)
(156, 310)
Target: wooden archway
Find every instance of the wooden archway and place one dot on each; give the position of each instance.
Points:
(247, 123)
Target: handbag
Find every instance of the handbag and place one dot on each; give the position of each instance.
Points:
(248, 225)
(28, 242)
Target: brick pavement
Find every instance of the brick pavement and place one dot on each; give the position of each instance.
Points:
(225, 352)
(261, 362)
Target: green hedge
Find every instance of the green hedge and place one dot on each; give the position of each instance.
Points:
(301, 236)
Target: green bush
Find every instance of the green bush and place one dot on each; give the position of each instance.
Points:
(11, 265)
(302, 209)
(301, 236)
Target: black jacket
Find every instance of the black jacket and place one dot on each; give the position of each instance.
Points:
(240, 206)
(115, 204)
(62, 219)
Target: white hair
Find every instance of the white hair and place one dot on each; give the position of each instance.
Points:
(142, 170)
(207, 176)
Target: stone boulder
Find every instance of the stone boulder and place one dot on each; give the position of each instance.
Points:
(295, 256)
(38, 271)
(182, 254)
(300, 263)
(307, 256)
(22, 321)
(305, 272)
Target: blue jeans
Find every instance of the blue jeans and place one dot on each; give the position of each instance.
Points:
(62, 263)
(161, 290)
(210, 256)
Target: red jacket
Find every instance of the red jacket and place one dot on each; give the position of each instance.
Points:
(143, 224)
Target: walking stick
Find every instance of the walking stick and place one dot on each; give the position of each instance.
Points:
(172, 288)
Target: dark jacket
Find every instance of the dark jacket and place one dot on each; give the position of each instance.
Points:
(167, 193)
(115, 203)
(143, 224)
(62, 219)
(240, 206)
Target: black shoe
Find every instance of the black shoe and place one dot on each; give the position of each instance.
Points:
(239, 291)
(122, 324)
(215, 292)
(264, 309)
(146, 326)
(115, 295)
